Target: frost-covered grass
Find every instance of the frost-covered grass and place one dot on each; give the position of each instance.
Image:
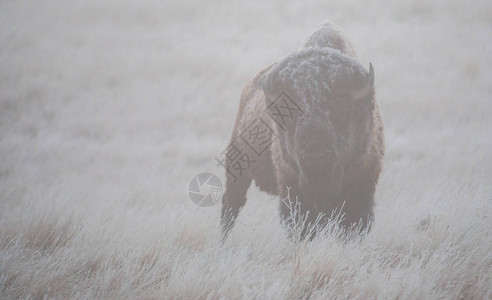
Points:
(109, 108)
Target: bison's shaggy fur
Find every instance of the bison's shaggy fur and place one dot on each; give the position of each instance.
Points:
(329, 151)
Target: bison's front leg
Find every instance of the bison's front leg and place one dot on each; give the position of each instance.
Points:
(233, 200)
(358, 206)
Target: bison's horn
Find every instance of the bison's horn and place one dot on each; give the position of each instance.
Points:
(371, 76)
(267, 84)
(364, 84)
(266, 79)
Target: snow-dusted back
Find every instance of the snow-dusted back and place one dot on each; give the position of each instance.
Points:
(314, 75)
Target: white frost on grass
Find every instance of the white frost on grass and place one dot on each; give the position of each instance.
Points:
(108, 109)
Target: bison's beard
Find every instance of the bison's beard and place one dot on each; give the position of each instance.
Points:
(321, 201)
(320, 192)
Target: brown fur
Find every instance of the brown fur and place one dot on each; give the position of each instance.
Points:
(351, 167)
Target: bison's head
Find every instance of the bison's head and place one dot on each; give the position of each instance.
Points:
(336, 96)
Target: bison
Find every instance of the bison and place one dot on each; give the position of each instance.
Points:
(309, 125)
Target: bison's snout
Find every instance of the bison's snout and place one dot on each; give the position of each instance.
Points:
(314, 165)
(315, 157)
(314, 147)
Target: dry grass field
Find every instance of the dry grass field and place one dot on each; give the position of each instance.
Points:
(109, 108)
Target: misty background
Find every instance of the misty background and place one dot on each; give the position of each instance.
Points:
(109, 108)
